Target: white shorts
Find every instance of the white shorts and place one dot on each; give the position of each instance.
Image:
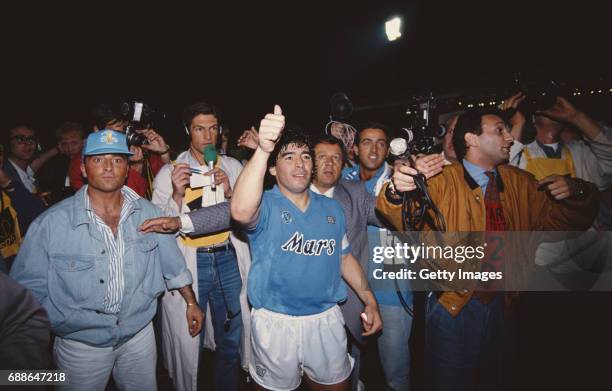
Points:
(284, 347)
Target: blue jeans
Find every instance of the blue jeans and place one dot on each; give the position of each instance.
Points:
(469, 351)
(131, 364)
(219, 285)
(393, 346)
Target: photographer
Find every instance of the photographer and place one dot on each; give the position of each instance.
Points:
(481, 193)
(590, 160)
(146, 162)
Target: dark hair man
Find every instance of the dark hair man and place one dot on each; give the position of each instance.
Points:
(481, 193)
(219, 259)
(371, 149)
(22, 144)
(17, 176)
(300, 255)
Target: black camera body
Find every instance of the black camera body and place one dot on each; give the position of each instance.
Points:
(139, 116)
(424, 134)
(541, 97)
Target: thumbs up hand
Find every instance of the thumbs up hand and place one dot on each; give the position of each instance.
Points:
(270, 129)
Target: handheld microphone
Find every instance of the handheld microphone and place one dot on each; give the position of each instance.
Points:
(210, 157)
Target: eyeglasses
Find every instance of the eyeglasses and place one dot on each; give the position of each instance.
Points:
(30, 140)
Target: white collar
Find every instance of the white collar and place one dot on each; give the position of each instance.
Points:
(329, 193)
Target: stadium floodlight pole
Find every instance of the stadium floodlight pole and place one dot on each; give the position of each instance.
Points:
(392, 28)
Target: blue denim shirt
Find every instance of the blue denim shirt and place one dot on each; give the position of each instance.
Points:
(64, 262)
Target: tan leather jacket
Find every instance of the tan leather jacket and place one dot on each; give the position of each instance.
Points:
(526, 208)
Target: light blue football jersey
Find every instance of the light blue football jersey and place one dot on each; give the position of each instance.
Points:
(296, 256)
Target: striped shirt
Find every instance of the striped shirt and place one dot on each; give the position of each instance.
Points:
(115, 248)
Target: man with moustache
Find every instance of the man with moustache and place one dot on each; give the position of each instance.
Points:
(98, 278)
(300, 255)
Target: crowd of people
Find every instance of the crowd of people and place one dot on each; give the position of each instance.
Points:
(109, 245)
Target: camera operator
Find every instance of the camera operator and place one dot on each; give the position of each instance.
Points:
(590, 160)
(469, 329)
(146, 162)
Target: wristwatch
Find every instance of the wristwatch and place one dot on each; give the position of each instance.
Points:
(392, 196)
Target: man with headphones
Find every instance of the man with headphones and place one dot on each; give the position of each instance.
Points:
(218, 260)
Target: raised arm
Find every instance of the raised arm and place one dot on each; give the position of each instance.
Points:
(248, 190)
(41, 159)
(599, 137)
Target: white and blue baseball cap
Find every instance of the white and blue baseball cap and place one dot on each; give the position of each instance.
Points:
(106, 142)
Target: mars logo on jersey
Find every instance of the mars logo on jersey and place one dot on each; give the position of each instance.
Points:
(313, 247)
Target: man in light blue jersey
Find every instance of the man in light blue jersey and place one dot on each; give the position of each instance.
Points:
(300, 254)
(372, 148)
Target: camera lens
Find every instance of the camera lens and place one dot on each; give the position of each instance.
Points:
(135, 139)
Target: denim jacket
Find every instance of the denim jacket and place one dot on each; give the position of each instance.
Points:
(64, 262)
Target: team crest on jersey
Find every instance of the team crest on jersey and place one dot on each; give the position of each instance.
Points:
(331, 220)
(312, 247)
(286, 217)
(261, 371)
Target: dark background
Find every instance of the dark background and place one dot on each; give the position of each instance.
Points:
(58, 61)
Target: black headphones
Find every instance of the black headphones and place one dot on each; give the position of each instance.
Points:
(189, 133)
(197, 108)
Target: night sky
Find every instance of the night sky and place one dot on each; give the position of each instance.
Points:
(57, 62)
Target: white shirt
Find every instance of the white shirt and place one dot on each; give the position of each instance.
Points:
(27, 177)
(592, 160)
(116, 248)
(329, 193)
